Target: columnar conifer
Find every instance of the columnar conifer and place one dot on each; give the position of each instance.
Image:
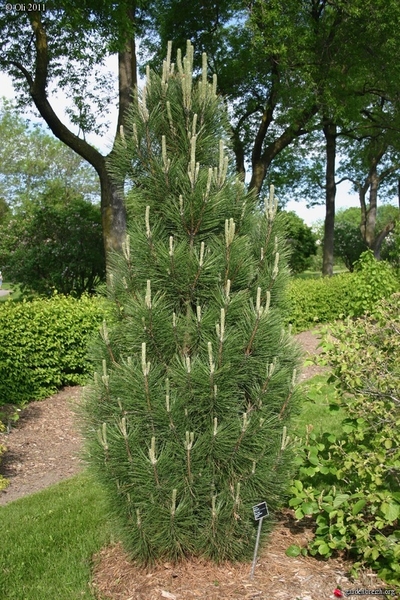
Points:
(187, 418)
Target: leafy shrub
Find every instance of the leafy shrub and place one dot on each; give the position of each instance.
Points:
(373, 280)
(322, 300)
(328, 299)
(351, 482)
(43, 345)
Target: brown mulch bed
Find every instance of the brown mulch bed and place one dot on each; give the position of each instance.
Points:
(277, 576)
(43, 449)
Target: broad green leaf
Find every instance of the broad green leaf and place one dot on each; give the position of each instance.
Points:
(324, 549)
(358, 507)
(293, 550)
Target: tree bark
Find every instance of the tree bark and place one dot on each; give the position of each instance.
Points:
(369, 213)
(330, 132)
(261, 160)
(379, 239)
(370, 222)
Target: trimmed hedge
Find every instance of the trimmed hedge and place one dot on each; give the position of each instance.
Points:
(314, 301)
(43, 345)
(324, 300)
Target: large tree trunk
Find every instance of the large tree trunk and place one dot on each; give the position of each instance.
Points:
(369, 213)
(370, 221)
(379, 239)
(330, 132)
(113, 211)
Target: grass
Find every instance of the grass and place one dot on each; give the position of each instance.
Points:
(47, 541)
(318, 274)
(15, 293)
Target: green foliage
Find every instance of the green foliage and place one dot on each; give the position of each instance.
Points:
(301, 240)
(373, 280)
(349, 243)
(43, 345)
(32, 161)
(322, 300)
(350, 482)
(48, 541)
(328, 299)
(54, 244)
(318, 395)
(187, 416)
(391, 248)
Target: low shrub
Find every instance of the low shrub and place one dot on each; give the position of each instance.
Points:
(43, 345)
(323, 300)
(350, 482)
(373, 280)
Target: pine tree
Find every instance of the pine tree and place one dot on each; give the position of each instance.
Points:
(186, 420)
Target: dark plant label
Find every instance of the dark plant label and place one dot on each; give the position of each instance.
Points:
(260, 511)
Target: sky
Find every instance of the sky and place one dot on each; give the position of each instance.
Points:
(345, 197)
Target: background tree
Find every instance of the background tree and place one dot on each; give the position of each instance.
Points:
(349, 243)
(280, 64)
(54, 244)
(372, 164)
(32, 160)
(187, 418)
(64, 48)
(301, 240)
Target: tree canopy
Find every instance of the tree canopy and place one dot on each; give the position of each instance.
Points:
(287, 68)
(54, 244)
(32, 161)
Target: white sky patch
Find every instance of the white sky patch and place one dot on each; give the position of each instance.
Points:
(345, 197)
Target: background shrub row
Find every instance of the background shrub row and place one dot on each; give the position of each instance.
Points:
(43, 345)
(326, 300)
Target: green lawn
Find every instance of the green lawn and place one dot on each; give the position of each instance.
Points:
(15, 291)
(318, 274)
(47, 541)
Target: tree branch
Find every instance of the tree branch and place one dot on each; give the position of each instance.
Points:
(38, 92)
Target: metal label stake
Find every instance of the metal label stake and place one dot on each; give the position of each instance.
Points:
(260, 511)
